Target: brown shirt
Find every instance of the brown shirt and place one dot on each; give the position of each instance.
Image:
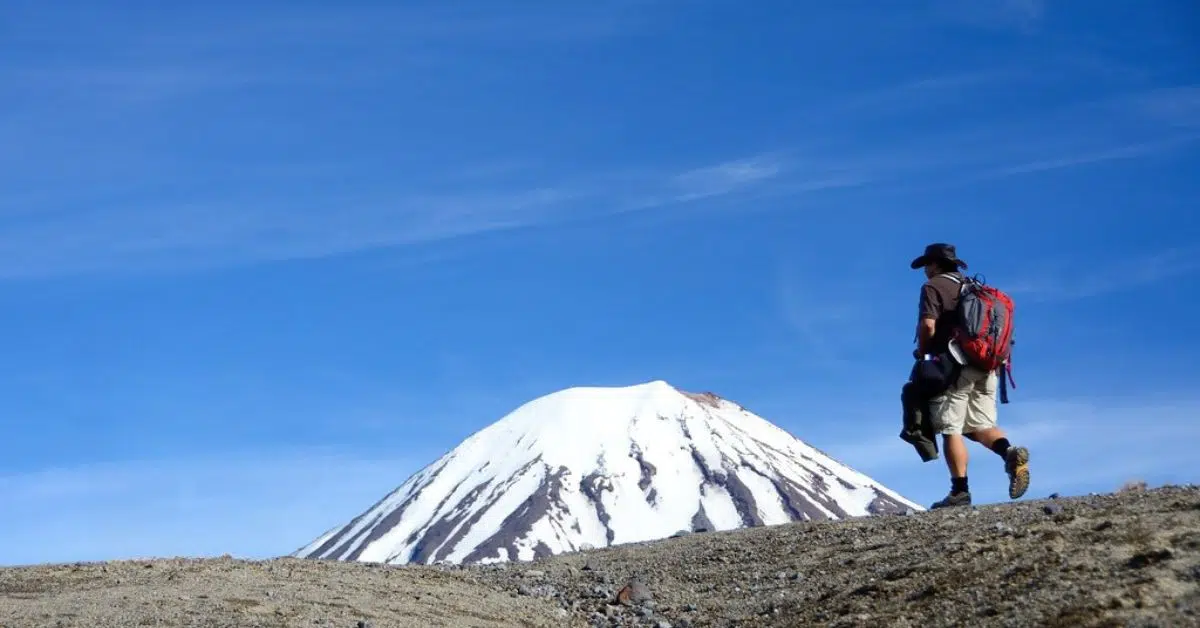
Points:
(939, 297)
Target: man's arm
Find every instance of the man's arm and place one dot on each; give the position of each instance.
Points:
(925, 329)
(929, 308)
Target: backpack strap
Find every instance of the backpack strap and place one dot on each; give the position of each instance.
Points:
(1003, 383)
(962, 283)
(1006, 370)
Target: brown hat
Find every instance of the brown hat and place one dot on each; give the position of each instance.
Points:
(936, 251)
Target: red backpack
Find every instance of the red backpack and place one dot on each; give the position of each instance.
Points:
(984, 328)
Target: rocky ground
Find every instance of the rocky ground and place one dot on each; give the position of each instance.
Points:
(1126, 559)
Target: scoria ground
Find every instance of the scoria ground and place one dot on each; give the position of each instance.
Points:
(1125, 559)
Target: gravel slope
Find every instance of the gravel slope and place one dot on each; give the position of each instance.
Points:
(1126, 559)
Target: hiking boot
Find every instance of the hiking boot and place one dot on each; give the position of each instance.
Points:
(1016, 464)
(954, 499)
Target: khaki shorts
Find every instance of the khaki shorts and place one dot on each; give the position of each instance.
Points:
(969, 405)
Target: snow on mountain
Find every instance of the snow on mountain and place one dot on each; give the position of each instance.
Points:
(600, 466)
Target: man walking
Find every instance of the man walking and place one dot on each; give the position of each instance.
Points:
(967, 407)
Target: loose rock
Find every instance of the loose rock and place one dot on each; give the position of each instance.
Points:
(636, 592)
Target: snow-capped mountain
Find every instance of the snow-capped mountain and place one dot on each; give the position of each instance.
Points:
(600, 466)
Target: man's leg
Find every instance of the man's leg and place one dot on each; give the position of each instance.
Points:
(980, 426)
(956, 454)
(949, 413)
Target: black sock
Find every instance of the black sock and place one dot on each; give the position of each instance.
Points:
(958, 485)
(1001, 446)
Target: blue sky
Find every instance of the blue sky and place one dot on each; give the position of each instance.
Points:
(262, 261)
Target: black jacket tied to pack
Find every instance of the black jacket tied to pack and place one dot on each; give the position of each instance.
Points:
(927, 380)
(918, 426)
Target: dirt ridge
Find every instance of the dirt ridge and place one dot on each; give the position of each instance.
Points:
(1130, 558)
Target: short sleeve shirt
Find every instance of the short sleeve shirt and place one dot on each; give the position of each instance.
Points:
(939, 298)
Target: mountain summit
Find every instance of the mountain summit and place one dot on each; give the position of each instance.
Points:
(595, 466)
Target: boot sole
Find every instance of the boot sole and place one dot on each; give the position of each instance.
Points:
(1018, 473)
(958, 504)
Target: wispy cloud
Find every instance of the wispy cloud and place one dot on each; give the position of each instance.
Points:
(252, 506)
(484, 24)
(121, 85)
(229, 231)
(1101, 277)
(1055, 139)
(236, 230)
(1178, 106)
(1021, 15)
(818, 316)
(237, 47)
(1129, 151)
(723, 178)
(929, 91)
(247, 225)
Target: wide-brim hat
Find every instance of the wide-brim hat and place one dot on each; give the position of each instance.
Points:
(936, 251)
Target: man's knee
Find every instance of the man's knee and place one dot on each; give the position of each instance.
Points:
(979, 424)
(980, 415)
(984, 435)
(949, 410)
(948, 415)
(950, 429)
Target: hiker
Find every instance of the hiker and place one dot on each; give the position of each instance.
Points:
(961, 395)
